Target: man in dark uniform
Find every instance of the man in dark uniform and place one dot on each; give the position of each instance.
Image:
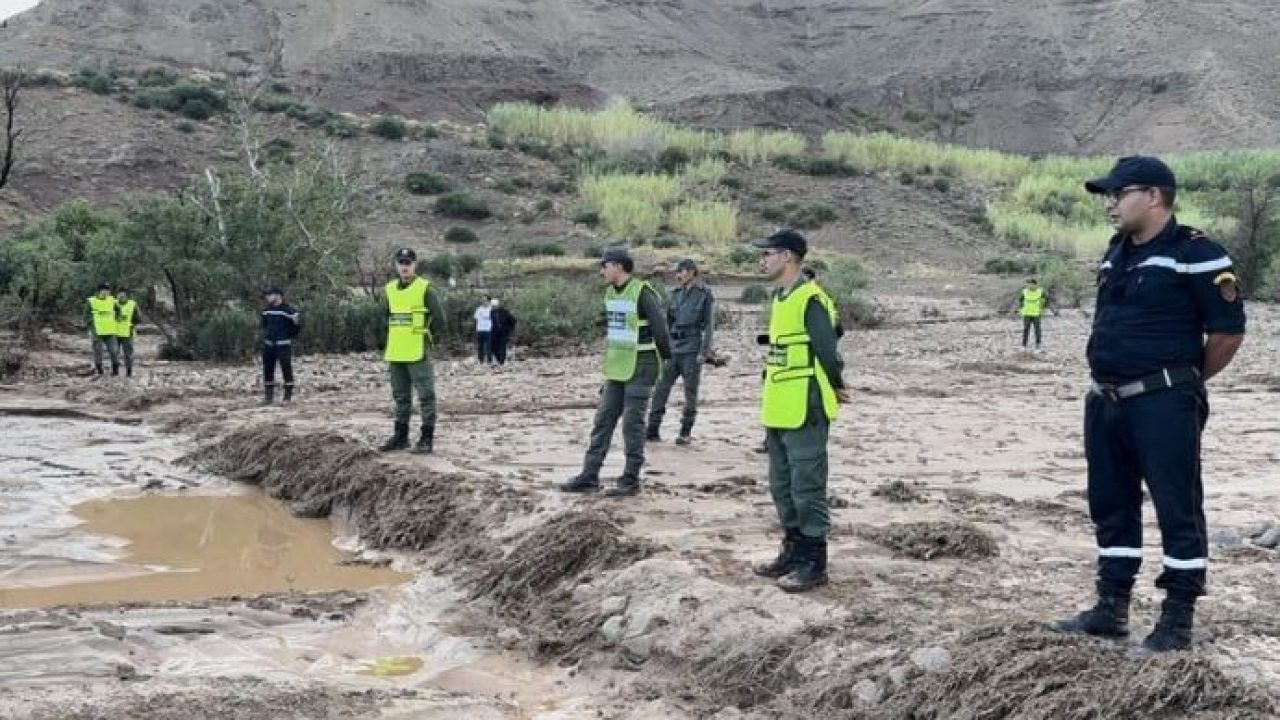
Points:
(691, 315)
(414, 322)
(636, 344)
(279, 327)
(1169, 317)
(803, 385)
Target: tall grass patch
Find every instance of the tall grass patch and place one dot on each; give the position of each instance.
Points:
(706, 221)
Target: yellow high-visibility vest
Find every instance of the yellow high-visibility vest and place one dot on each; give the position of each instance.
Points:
(623, 321)
(791, 365)
(408, 330)
(104, 315)
(124, 326)
(1032, 302)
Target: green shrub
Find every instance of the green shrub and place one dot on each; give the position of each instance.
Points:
(358, 326)
(593, 251)
(389, 127)
(272, 103)
(861, 312)
(196, 109)
(741, 255)
(941, 184)
(543, 205)
(773, 213)
(460, 235)
(755, 294)
(426, 132)
(156, 77)
(277, 150)
(913, 116)
(1068, 283)
(906, 178)
(456, 266)
(310, 115)
(340, 127)
(813, 216)
(94, 81)
(185, 126)
(666, 241)
(426, 183)
(586, 216)
(535, 248)
(673, 159)
(732, 182)
(817, 166)
(556, 186)
(281, 88)
(223, 334)
(552, 312)
(463, 205)
(1009, 266)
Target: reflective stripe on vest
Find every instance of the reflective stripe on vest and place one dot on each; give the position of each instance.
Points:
(623, 323)
(104, 315)
(124, 326)
(1032, 302)
(791, 364)
(407, 322)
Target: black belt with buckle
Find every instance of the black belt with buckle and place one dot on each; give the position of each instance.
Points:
(1166, 378)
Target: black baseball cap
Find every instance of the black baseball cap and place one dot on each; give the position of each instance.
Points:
(785, 240)
(273, 290)
(687, 264)
(615, 253)
(405, 253)
(104, 286)
(1134, 170)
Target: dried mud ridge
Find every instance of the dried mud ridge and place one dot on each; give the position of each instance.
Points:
(575, 588)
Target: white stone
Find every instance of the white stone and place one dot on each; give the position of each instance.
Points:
(931, 659)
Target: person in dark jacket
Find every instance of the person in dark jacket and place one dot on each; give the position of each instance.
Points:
(280, 326)
(504, 326)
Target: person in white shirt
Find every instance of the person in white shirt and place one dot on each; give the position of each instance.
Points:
(484, 332)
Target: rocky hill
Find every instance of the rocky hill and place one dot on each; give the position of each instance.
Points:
(1034, 76)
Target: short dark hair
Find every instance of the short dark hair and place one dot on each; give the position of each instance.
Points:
(809, 272)
(627, 264)
(1167, 195)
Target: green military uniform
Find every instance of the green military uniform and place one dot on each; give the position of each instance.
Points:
(413, 319)
(102, 316)
(126, 322)
(691, 316)
(636, 341)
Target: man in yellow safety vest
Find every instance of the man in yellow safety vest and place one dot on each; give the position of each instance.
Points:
(803, 385)
(414, 321)
(1032, 302)
(636, 344)
(101, 312)
(126, 321)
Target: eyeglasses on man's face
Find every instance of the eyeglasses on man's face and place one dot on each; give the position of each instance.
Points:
(1115, 196)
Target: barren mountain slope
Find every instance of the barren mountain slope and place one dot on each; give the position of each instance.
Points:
(1039, 75)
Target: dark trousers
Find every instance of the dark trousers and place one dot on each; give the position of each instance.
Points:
(105, 343)
(798, 475)
(1153, 437)
(273, 354)
(1027, 324)
(484, 349)
(626, 400)
(684, 365)
(126, 352)
(499, 342)
(404, 378)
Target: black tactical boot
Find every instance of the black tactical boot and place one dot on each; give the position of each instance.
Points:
(398, 441)
(115, 371)
(651, 435)
(581, 483)
(686, 434)
(426, 441)
(1108, 618)
(97, 370)
(786, 559)
(810, 569)
(128, 370)
(1173, 629)
(268, 394)
(626, 484)
(288, 394)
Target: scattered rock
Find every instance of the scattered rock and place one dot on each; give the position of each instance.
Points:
(642, 623)
(1226, 540)
(931, 659)
(125, 671)
(1269, 539)
(868, 692)
(611, 631)
(184, 629)
(510, 637)
(898, 491)
(111, 630)
(899, 674)
(636, 650)
(614, 605)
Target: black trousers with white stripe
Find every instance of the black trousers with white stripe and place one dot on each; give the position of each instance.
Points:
(273, 353)
(1153, 437)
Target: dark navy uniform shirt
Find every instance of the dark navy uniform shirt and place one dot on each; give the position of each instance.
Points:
(276, 325)
(1157, 300)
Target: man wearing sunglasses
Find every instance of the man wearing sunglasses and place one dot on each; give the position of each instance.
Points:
(414, 321)
(803, 385)
(1169, 317)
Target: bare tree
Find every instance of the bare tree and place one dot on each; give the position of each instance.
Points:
(11, 81)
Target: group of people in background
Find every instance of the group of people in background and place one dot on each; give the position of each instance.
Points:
(495, 326)
(112, 320)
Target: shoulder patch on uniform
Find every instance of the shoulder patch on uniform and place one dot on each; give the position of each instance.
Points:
(1227, 286)
(1194, 233)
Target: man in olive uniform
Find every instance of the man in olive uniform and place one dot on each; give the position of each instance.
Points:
(691, 316)
(127, 320)
(1168, 318)
(101, 311)
(1032, 302)
(802, 386)
(414, 320)
(636, 343)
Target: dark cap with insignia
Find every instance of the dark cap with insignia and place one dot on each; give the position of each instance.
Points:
(687, 264)
(405, 253)
(616, 254)
(785, 240)
(1134, 170)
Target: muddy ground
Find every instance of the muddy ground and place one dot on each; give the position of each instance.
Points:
(957, 490)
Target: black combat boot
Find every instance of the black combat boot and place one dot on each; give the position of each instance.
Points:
(288, 394)
(268, 394)
(581, 483)
(426, 441)
(1108, 618)
(398, 441)
(686, 434)
(97, 370)
(1173, 629)
(810, 568)
(628, 483)
(128, 369)
(786, 559)
(115, 370)
(651, 435)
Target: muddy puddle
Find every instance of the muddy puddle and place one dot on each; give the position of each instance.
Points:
(194, 547)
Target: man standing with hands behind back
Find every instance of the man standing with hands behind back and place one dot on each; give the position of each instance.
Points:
(803, 385)
(414, 320)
